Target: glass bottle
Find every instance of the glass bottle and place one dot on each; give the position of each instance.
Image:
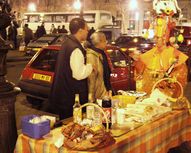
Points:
(114, 111)
(90, 108)
(106, 105)
(77, 112)
(98, 113)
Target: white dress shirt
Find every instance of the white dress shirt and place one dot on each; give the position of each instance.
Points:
(79, 69)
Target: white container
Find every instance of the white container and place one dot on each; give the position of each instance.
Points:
(120, 116)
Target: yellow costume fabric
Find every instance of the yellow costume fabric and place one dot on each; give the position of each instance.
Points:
(156, 63)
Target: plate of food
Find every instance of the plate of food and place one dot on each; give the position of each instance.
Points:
(84, 138)
(170, 87)
(137, 94)
(174, 90)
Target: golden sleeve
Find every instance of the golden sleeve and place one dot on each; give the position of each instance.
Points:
(180, 73)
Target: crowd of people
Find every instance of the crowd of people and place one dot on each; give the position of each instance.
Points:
(11, 33)
(28, 34)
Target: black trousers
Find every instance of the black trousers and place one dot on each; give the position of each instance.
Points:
(65, 106)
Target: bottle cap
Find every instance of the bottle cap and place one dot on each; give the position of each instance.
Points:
(99, 102)
(77, 97)
(90, 98)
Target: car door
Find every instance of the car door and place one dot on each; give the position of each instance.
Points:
(122, 72)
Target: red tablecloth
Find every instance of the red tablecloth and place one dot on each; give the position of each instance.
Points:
(155, 137)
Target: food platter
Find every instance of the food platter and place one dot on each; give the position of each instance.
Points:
(137, 94)
(170, 87)
(84, 138)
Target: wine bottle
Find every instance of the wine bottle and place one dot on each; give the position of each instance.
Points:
(89, 108)
(77, 112)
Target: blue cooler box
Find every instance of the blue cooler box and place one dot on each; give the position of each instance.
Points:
(35, 131)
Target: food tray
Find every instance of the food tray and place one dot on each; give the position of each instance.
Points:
(170, 81)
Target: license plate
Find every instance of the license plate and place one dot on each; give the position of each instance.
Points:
(41, 77)
(36, 49)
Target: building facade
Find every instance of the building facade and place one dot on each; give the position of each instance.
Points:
(131, 21)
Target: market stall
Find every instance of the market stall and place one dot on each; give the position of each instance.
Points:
(156, 136)
(151, 121)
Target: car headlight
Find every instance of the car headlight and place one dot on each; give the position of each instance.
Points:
(28, 49)
(124, 49)
(109, 50)
(132, 49)
(145, 45)
(36, 49)
(188, 42)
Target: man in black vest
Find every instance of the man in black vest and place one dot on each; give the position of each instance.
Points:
(71, 71)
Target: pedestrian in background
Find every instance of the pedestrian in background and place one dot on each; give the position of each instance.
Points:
(59, 29)
(53, 29)
(42, 30)
(90, 32)
(27, 34)
(63, 30)
(12, 34)
(71, 71)
(98, 81)
(37, 33)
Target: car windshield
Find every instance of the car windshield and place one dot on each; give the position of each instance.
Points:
(123, 39)
(60, 40)
(117, 58)
(132, 40)
(46, 60)
(45, 39)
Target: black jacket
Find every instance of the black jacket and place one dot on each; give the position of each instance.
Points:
(64, 86)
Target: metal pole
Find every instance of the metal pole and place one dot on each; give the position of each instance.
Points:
(82, 9)
(8, 93)
(8, 130)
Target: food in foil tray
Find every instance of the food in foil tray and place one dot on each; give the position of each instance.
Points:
(132, 93)
(161, 99)
(169, 87)
(145, 112)
(78, 137)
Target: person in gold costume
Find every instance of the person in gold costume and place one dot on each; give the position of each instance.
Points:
(161, 61)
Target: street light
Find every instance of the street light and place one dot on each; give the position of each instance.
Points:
(78, 5)
(32, 7)
(133, 4)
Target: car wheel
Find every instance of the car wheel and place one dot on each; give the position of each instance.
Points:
(34, 101)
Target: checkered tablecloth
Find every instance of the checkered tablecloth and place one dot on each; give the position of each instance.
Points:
(155, 137)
